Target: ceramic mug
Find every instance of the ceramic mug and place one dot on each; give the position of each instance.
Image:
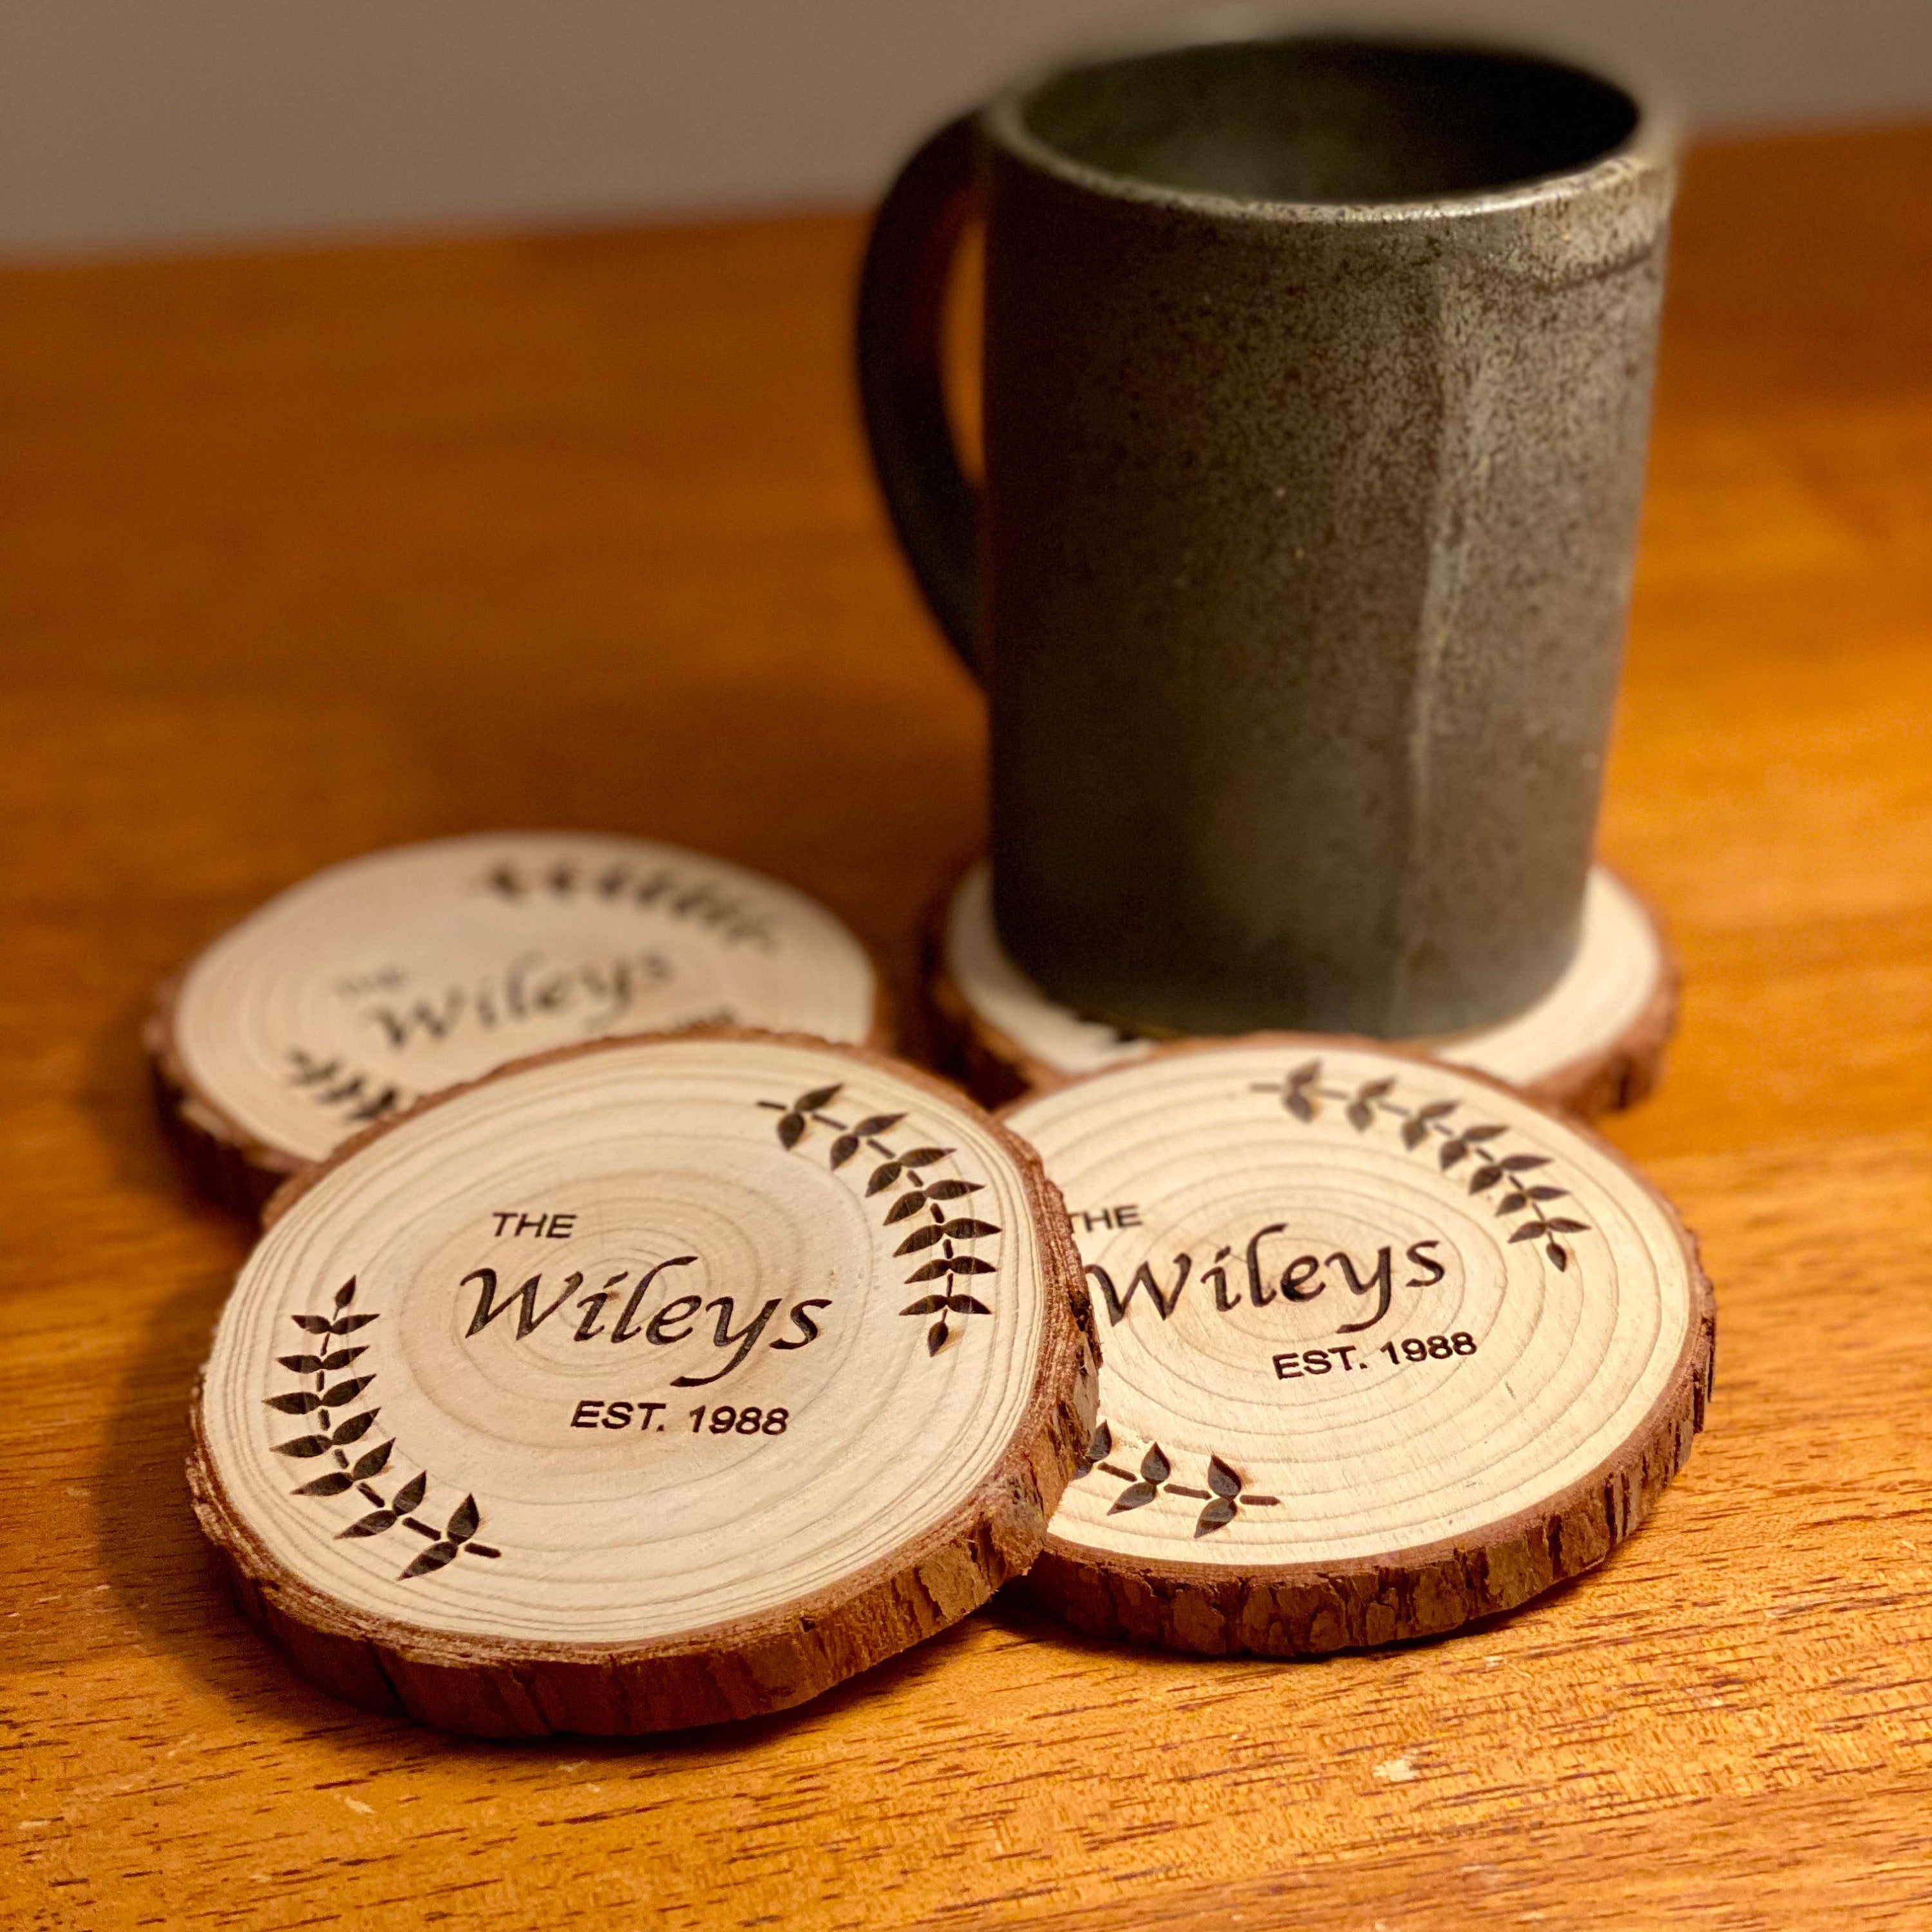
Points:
(1316, 390)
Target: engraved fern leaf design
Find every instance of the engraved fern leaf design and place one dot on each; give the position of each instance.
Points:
(359, 1097)
(901, 1177)
(1225, 1495)
(1431, 1123)
(333, 1438)
(692, 898)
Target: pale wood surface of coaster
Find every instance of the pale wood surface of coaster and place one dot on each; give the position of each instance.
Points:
(1595, 1042)
(1386, 1346)
(348, 996)
(644, 1384)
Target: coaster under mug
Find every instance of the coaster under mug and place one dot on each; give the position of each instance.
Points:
(1594, 1043)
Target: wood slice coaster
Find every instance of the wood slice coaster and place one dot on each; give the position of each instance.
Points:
(1595, 1042)
(340, 1002)
(644, 1384)
(1386, 1346)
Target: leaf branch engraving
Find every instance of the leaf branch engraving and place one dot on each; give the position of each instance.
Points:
(903, 1175)
(1302, 1094)
(330, 1438)
(677, 892)
(359, 1097)
(1226, 1495)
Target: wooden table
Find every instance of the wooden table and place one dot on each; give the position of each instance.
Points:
(310, 552)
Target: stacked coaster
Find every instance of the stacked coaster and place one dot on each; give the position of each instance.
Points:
(1593, 1043)
(341, 1001)
(1386, 1346)
(644, 1384)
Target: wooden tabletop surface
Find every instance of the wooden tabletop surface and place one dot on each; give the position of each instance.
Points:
(309, 553)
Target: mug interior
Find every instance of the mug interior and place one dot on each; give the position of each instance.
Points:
(1328, 118)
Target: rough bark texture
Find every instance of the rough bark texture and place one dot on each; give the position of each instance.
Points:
(1630, 1068)
(995, 1068)
(221, 1159)
(735, 1671)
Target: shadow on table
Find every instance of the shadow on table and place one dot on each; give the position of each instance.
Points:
(1011, 1612)
(117, 1096)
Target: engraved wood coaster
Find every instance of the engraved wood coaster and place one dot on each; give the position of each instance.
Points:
(340, 1002)
(1595, 1042)
(644, 1384)
(1386, 1346)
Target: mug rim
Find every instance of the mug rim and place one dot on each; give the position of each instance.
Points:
(1653, 141)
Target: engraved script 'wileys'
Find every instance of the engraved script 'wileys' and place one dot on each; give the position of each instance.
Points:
(675, 1320)
(1303, 1279)
(528, 988)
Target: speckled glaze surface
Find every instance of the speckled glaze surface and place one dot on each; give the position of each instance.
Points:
(1305, 548)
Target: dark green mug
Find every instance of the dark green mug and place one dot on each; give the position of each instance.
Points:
(1316, 390)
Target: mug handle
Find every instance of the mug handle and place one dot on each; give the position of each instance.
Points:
(901, 302)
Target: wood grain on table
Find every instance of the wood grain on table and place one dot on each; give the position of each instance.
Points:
(309, 553)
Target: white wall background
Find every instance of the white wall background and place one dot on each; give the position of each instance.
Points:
(135, 124)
